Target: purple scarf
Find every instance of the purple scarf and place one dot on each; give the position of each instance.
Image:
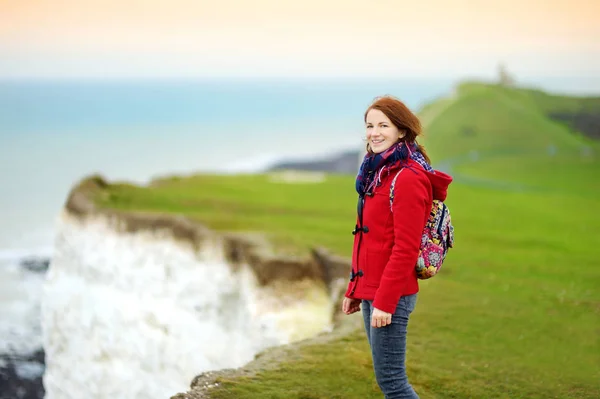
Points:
(374, 165)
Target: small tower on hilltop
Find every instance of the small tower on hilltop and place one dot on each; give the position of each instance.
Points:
(504, 77)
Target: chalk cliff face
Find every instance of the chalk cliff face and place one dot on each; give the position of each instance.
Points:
(135, 306)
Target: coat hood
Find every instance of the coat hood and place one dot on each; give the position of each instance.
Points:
(439, 183)
(438, 179)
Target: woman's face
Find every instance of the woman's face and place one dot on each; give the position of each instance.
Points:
(381, 133)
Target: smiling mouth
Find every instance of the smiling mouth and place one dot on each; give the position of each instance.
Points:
(377, 142)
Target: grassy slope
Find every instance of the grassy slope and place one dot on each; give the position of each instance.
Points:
(515, 312)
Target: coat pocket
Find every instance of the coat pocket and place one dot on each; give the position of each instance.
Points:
(376, 261)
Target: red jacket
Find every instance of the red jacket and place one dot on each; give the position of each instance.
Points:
(386, 244)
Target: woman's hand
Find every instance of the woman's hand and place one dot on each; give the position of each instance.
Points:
(379, 318)
(351, 305)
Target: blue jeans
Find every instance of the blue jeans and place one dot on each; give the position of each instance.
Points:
(388, 348)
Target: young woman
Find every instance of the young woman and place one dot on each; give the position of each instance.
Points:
(387, 239)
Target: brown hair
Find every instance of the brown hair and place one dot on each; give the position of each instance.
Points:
(402, 118)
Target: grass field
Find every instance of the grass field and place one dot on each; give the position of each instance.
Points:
(515, 312)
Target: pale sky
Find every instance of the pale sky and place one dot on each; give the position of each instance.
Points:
(305, 38)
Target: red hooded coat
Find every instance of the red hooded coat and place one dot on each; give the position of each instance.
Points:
(386, 243)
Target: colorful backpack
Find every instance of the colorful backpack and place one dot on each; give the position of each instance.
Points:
(437, 238)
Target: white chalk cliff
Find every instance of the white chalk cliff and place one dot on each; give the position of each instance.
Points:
(135, 306)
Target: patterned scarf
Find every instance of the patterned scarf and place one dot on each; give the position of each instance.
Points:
(373, 165)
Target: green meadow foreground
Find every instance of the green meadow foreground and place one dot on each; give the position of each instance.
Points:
(515, 312)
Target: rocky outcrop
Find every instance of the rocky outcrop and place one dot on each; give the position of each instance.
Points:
(20, 375)
(344, 163)
(584, 121)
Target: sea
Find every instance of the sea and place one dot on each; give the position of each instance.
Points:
(54, 133)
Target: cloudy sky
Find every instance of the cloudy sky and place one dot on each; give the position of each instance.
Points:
(307, 38)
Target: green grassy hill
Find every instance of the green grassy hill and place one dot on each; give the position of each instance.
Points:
(516, 137)
(494, 119)
(515, 312)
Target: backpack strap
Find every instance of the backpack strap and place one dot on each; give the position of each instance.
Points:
(392, 189)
